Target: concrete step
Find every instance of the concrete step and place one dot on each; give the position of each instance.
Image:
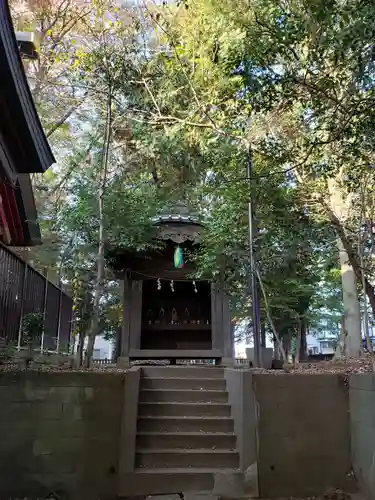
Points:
(171, 458)
(145, 482)
(183, 372)
(183, 383)
(162, 408)
(183, 395)
(187, 440)
(185, 424)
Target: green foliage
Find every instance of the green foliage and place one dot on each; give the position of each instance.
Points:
(6, 351)
(32, 328)
(279, 78)
(192, 84)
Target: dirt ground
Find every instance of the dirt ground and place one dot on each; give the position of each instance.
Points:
(329, 495)
(338, 496)
(341, 365)
(344, 366)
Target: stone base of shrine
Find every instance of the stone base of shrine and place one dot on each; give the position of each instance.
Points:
(123, 363)
(227, 362)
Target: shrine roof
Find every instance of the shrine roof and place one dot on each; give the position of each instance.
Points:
(178, 212)
(187, 219)
(24, 148)
(23, 145)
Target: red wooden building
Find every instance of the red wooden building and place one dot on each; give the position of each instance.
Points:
(23, 145)
(24, 150)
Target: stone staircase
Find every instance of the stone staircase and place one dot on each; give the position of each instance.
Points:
(185, 435)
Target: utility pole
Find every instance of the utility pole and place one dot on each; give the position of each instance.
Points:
(253, 282)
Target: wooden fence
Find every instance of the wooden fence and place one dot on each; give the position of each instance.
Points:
(23, 291)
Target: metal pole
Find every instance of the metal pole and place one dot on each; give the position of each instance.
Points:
(253, 285)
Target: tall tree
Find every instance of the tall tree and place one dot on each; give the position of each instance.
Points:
(301, 74)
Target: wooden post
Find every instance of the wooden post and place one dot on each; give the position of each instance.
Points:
(59, 320)
(216, 318)
(23, 292)
(45, 274)
(123, 359)
(135, 315)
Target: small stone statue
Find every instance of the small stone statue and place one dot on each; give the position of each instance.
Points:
(174, 316)
(161, 316)
(186, 316)
(149, 316)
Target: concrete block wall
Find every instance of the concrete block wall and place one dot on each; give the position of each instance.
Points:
(294, 430)
(362, 422)
(303, 435)
(239, 385)
(60, 432)
(74, 433)
(242, 401)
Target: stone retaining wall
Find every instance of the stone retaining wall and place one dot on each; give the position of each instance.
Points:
(362, 418)
(59, 432)
(75, 432)
(303, 435)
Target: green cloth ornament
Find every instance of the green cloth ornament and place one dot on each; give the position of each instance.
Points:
(178, 258)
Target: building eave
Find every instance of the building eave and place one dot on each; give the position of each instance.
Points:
(25, 137)
(29, 216)
(18, 216)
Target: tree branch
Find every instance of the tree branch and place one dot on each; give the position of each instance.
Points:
(63, 119)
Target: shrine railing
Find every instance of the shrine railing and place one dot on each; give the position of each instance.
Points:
(24, 292)
(237, 361)
(112, 362)
(104, 362)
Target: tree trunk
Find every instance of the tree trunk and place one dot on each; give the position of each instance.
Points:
(276, 351)
(280, 347)
(99, 286)
(361, 241)
(353, 259)
(80, 347)
(286, 342)
(338, 212)
(340, 349)
(352, 313)
(117, 344)
(263, 334)
(298, 343)
(370, 226)
(365, 311)
(303, 343)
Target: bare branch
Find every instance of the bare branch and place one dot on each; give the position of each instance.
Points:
(63, 119)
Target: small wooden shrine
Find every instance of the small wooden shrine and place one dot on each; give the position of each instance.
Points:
(167, 314)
